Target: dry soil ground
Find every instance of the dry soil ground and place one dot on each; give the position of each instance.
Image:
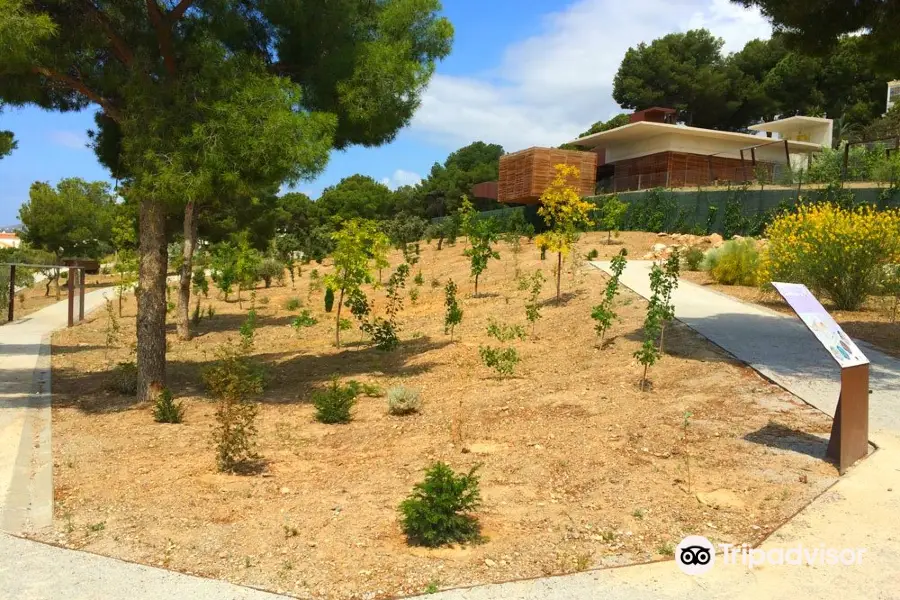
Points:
(36, 297)
(579, 468)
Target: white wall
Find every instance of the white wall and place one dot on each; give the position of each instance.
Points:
(681, 142)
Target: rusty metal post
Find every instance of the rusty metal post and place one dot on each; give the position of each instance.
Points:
(70, 288)
(849, 440)
(12, 292)
(81, 295)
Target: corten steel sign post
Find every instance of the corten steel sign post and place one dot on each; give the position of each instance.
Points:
(850, 428)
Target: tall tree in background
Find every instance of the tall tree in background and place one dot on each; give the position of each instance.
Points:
(356, 197)
(73, 219)
(617, 121)
(157, 69)
(684, 71)
(762, 81)
(443, 189)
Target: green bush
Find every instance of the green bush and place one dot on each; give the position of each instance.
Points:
(365, 389)
(502, 360)
(304, 319)
(439, 510)
(234, 380)
(292, 304)
(403, 400)
(269, 269)
(735, 263)
(124, 378)
(593, 254)
(333, 405)
(166, 410)
(503, 332)
(329, 299)
(693, 258)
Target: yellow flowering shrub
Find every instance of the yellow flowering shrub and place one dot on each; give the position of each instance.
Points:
(836, 252)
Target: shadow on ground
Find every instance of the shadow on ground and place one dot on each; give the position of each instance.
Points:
(776, 435)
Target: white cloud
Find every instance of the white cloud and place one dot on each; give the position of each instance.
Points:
(76, 140)
(401, 178)
(550, 87)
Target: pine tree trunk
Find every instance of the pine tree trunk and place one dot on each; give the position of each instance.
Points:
(558, 274)
(151, 319)
(476, 286)
(187, 268)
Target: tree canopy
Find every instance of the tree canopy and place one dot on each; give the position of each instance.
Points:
(201, 96)
(817, 26)
(767, 78)
(7, 143)
(600, 126)
(446, 184)
(73, 219)
(356, 197)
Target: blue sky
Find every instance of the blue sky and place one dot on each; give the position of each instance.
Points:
(522, 73)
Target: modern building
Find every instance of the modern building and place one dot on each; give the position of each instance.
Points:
(652, 151)
(9, 240)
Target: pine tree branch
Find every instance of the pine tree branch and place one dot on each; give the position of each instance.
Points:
(120, 48)
(79, 86)
(163, 35)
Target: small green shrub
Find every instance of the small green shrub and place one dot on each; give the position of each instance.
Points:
(197, 314)
(269, 269)
(593, 254)
(414, 296)
(329, 299)
(304, 319)
(264, 301)
(505, 333)
(166, 410)
(403, 400)
(292, 304)
(365, 389)
(693, 258)
(454, 313)
(345, 324)
(439, 510)
(418, 279)
(735, 263)
(124, 378)
(334, 404)
(435, 283)
(502, 360)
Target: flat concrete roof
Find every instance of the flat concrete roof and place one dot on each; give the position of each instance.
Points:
(789, 123)
(647, 129)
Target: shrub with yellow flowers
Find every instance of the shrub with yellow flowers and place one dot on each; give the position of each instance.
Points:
(838, 253)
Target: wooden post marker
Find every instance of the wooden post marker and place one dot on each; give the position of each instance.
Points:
(12, 292)
(70, 285)
(850, 428)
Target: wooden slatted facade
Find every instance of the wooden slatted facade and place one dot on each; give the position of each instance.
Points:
(526, 174)
(680, 169)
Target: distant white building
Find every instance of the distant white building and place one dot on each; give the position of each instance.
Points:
(893, 96)
(9, 240)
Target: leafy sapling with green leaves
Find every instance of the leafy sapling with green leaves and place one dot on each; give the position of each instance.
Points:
(454, 314)
(533, 306)
(603, 313)
(669, 285)
(481, 238)
(612, 216)
(649, 353)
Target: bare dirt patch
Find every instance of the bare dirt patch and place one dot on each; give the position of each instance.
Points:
(579, 468)
(872, 324)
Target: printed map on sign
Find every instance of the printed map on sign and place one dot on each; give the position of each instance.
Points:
(817, 319)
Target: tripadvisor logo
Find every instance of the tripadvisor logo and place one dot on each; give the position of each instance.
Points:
(695, 555)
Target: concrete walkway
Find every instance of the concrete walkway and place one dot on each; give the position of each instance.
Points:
(860, 511)
(26, 460)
